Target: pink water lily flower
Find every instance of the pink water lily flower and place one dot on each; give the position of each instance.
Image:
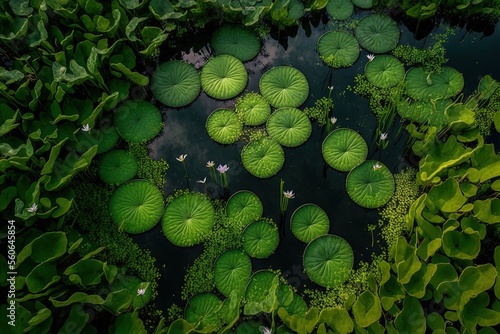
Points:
(289, 194)
(222, 169)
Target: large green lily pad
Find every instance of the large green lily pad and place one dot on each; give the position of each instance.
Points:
(223, 77)
(253, 109)
(284, 86)
(117, 167)
(259, 286)
(232, 271)
(424, 112)
(136, 206)
(224, 126)
(328, 260)
(238, 41)
(339, 9)
(263, 158)
(202, 309)
(188, 219)
(244, 207)
(344, 149)
(138, 121)
(377, 33)
(421, 86)
(384, 71)
(308, 222)
(338, 48)
(260, 239)
(370, 184)
(289, 126)
(175, 83)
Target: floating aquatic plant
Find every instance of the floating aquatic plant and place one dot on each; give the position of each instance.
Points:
(263, 158)
(105, 137)
(338, 48)
(377, 33)
(223, 77)
(260, 286)
(117, 167)
(235, 40)
(328, 260)
(224, 126)
(188, 219)
(421, 86)
(136, 206)
(370, 184)
(424, 112)
(289, 126)
(284, 86)
(232, 271)
(364, 4)
(343, 149)
(244, 207)
(384, 71)
(202, 310)
(138, 121)
(339, 9)
(260, 239)
(308, 222)
(252, 108)
(175, 83)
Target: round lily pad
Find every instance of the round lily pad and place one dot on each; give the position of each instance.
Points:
(429, 112)
(202, 309)
(223, 77)
(289, 126)
(260, 239)
(132, 284)
(377, 33)
(232, 271)
(138, 121)
(244, 207)
(253, 109)
(263, 158)
(339, 9)
(117, 167)
(370, 184)
(238, 41)
(421, 86)
(259, 286)
(308, 222)
(297, 306)
(284, 86)
(175, 83)
(328, 260)
(105, 137)
(188, 219)
(136, 206)
(224, 126)
(338, 48)
(364, 4)
(343, 149)
(384, 71)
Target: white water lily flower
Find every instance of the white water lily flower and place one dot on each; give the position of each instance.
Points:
(370, 57)
(32, 208)
(202, 181)
(141, 292)
(333, 120)
(377, 166)
(383, 136)
(289, 194)
(86, 128)
(210, 164)
(330, 88)
(181, 157)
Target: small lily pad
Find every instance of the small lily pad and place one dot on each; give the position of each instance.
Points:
(260, 239)
(224, 126)
(289, 126)
(244, 207)
(339, 9)
(384, 71)
(117, 167)
(377, 33)
(202, 309)
(238, 41)
(259, 286)
(232, 271)
(338, 48)
(343, 149)
(284, 86)
(253, 109)
(138, 121)
(308, 222)
(263, 158)
(223, 77)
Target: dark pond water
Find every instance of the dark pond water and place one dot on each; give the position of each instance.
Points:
(303, 170)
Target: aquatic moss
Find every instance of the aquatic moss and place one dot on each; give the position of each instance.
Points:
(320, 111)
(484, 116)
(148, 168)
(393, 214)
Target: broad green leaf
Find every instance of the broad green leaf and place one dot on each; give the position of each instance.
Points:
(487, 211)
(47, 247)
(411, 319)
(135, 77)
(76, 320)
(42, 277)
(367, 309)
(85, 272)
(78, 297)
(446, 197)
(416, 287)
(118, 301)
(338, 320)
(406, 260)
(476, 279)
(476, 312)
(54, 153)
(163, 10)
(461, 245)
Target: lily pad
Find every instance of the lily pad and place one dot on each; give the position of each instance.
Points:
(260, 239)
(328, 260)
(424, 112)
(308, 222)
(223, 77)
(188, 219)
(238, 41)
(377, 33)
(364, 4)
(105, 137)
(384, 71)
(343, 149)
(253, 109)
(421, 86)
(284, 86)
(224, 126)
(138, 121)
(339, 9)
(175, 83)
(244, 207)
(338, 48)
(136, 206)
(259, 286)
(263, 158)
(370, 184)
(289, 126)
(297, 306)
(117, 167)
(202, 309)
(232, 271)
